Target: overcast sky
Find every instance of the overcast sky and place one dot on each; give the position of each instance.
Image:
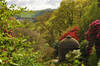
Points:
(36, 4)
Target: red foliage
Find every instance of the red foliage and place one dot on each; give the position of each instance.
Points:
(90, 50)
(5, 31)
(72, 33)
(4, 49)
(93, 31)
(11, 33)
(92, 34)
(6, 61)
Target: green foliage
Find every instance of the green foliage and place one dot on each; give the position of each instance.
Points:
(13, 50)
(83, 48)
(62, 19)
(76, 63)
(25, 57)
(33, 43)
(93, 60)
(73, 56)
(98, 63)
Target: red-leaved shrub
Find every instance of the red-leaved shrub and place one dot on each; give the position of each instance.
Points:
(73, 33)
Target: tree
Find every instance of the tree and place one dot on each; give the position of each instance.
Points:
(65, 17)
(91, 13)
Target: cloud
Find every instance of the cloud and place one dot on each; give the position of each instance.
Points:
(54, 2)
(36, 4)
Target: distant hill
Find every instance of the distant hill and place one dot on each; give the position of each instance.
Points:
(38, 13)
(31, 15)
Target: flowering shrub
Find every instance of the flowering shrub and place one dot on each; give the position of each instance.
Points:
(73, 32)
(93, 30)
(11, 46)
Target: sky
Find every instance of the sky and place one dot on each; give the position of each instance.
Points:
(35, 4)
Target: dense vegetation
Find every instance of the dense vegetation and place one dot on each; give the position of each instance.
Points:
(26, 43)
